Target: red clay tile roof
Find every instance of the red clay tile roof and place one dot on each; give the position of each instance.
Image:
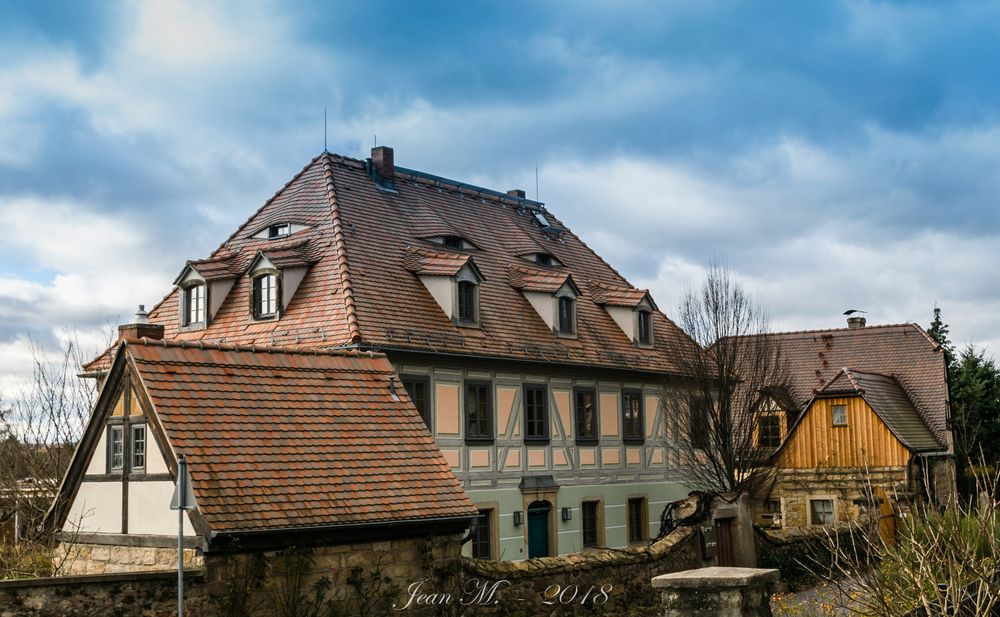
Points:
(279, 439)
(903, 351)
(527, 278)
(437, 263)
(359, 291)
(223, 266)
(294, 255)
(617, 295)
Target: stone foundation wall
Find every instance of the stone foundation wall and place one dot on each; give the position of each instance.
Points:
(848, 487)
(80, 559)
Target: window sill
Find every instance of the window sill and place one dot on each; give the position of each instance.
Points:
(193, 327)
(466, 324)
(479, 441)
(537, 441)
(633, 441)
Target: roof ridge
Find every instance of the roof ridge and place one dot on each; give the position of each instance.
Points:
(845, 329)
(250, 348)
(340, 248)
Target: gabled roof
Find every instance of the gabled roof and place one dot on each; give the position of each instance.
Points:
(618, 295)
(815, 357)
(278, 439)
(887, 398)
(294, 255)
(223, 266)
(541, 280)
(360, 291)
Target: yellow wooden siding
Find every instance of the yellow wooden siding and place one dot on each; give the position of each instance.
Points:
(865, 441)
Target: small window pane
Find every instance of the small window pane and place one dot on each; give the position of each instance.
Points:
(567, 314)
(632, 416)
(478, 412)
(277, 231)
(839, 415)
(821, 511)
(453, 242)
(466, 301)
(536, 413)
(586, 415)
(636, 519)
(116, 450)
(417, 389)
(139, 447)
(645, 328)
(194, 304)
(589, 514)
(265, 292)
(769, 431)
(481, 546)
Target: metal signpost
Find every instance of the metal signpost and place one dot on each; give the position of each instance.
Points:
(182, 500)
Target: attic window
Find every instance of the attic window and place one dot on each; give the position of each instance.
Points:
(279, 231)
(839, 415)
(193, 311)
(452, 242)
(540, 218)
(645, 327)
(567, 315)
(544, 259)
(468, 299)
(265, 296)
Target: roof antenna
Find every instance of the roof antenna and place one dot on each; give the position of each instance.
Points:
(536, 182)
(375, 141)
(324, 128)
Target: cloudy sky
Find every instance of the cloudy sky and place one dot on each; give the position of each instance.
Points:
(836, 155)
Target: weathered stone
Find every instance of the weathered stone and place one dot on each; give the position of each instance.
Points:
(717, 592)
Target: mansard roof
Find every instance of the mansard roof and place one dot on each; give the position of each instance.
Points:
(362, 290)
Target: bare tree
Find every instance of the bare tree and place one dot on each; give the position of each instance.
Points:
(730, 381)
(39, 427)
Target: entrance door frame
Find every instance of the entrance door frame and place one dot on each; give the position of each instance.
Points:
(528, 496)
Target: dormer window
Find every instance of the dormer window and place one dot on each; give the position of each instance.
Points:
(644, 328)
(567, 315)
(265, 296)
(279, 231)
(543, 259)
(468, 303)
(457, 243)
(194, 306)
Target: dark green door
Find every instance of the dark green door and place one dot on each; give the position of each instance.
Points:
(538, 529)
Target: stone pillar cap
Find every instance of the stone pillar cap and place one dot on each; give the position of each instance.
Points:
(715, 577)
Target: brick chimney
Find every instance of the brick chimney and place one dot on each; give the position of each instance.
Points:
(516, 193)
(140, 327)
(385, 167)
(855, 322)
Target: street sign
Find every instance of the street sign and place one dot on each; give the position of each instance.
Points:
(189, 503)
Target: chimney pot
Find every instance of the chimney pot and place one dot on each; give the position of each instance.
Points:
(383, 161)
(140, 327)
(516, 193)
(856, 322)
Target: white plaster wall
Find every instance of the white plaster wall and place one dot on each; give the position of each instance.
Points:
(625, 318)
(218, 291)
(154, 460)
(149, 510)
(290, 279)
(97, 508)
(544, 304)
(98, 462)
(442, 289)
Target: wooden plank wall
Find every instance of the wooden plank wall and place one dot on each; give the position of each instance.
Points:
(865, 441)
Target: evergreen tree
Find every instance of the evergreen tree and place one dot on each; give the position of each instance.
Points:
(939, 332)
(975, 408)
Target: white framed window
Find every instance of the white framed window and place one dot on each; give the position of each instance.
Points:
(821, 511)
(279, 231)
(137, 447)
(265, 296)
(194, 310)
(839, 413)
(116, 447)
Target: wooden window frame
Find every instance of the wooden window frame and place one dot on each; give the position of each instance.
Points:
(644, 518)
(489, 436)
(598, 523)
(255, 296)
(272, 231)
(132, 454)
(492, 518)
(464, 320)
(778, 417)
(545, 437)
(641, 420)
(566, 328)
(647, 340)
(833, 416)
(596, 424)
(833, 508)
(426, 382)
(112, 429)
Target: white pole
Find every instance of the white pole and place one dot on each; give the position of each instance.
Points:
(181, 493)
